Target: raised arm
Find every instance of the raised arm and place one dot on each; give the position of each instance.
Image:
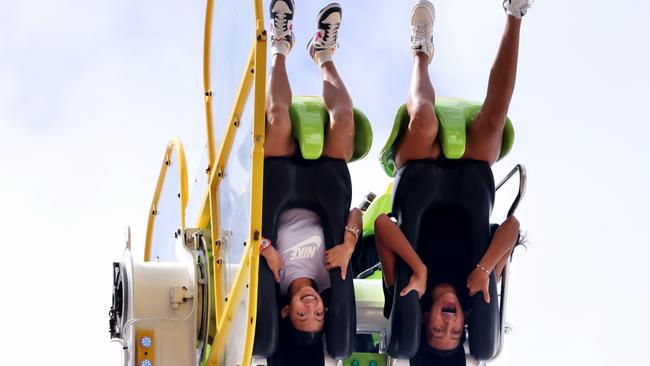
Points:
(391, 242)
(503, 241)
(340, 255)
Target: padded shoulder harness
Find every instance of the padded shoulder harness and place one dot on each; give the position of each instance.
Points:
(309, 118)
(454, 115)
(423, 188)
(324, 187)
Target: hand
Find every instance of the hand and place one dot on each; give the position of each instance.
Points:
(339, 256)
(274, 260)
(477, 281)
(418, 282)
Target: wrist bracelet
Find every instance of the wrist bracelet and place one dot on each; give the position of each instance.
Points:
(483, 269)
(354, 231)
(264, 243)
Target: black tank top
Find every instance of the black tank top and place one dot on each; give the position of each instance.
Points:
(446, 256)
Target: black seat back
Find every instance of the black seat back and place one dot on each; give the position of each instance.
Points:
(324, 187)
(422, 187)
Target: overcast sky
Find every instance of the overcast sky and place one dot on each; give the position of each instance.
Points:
(90, 92)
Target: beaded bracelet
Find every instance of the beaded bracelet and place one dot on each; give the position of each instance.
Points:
(264, 243)
(483, 269)
(354, 231)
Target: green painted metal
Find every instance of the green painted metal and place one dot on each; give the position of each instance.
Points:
(365, 359)
(454, 115)
(309, 118)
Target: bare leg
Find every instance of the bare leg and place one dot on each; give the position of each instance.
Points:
(419, 140)
(486, 132)
(339, 140)
(279, 141)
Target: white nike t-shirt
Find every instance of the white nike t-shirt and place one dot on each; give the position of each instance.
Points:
(301, 245)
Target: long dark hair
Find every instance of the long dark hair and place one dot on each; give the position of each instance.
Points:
(428, 355)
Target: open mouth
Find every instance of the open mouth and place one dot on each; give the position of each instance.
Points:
(308, 298)
(449, 309)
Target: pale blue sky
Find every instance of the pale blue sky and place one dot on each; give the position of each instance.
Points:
(90, 92)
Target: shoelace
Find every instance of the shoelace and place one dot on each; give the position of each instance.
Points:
(522, 6)
(280, 25)
(329, 39)
(422, 32)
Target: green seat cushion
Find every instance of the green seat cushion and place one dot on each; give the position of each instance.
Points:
(454, 115)
(309, 118)
(381, 204)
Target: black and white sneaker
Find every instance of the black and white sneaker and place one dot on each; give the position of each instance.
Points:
(325, 42)
(422, 16)
(517, 8)
(282, 37)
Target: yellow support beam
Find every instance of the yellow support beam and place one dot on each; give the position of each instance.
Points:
(225, 320)
(173, 146)
(257, 179)
(216, 175)
(255, 72)
(207, 82)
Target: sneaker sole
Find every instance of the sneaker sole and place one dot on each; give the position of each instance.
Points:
(328, 7)
(426, 4)
(321, 13)
(290, 3)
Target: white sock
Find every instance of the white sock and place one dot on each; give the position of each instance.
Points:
(280, 46)
(323, 57)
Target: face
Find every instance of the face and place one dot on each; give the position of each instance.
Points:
(305, 310)
(446, 320)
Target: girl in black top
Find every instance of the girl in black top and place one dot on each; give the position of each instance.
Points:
(445, 281)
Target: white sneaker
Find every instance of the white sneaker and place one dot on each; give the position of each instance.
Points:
(517, 8)
(422, 16)
(282, 38)
(325, 42)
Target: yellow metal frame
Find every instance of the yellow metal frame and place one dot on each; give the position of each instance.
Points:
(254, 75)
(173, 146)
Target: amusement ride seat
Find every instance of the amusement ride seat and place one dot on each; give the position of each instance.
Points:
(448, 199)
(322, 185)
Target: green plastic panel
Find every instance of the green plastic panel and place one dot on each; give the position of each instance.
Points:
(380, 205)
(454, 116)
(369, 289)
(365, 359)
(309, 118)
